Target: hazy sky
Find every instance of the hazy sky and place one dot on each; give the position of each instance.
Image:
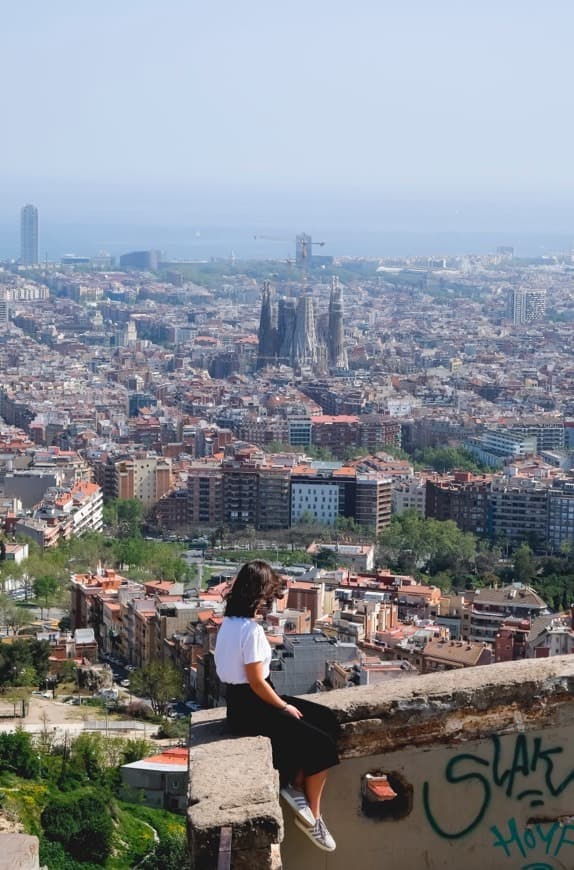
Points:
(242, 108)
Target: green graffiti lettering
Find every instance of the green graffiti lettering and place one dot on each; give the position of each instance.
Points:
(512, 840)
(566, 829)
(528, 758)
(453, 777)
(548, 835)
(545, 755)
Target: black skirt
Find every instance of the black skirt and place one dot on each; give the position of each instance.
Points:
(308, 744)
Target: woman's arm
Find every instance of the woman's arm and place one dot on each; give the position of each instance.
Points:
(263, 690)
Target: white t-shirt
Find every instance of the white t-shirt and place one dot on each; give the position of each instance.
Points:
(240, 641)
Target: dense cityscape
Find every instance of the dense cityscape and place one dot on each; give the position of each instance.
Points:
(395, 436)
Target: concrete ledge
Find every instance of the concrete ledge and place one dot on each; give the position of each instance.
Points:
(19, 852)
(233, 783)
(455, 705)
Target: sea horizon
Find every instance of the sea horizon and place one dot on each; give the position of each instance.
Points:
(254, 243)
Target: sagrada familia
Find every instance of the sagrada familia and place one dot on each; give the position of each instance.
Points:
(289, 334)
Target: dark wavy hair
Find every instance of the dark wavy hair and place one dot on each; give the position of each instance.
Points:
(257, 583)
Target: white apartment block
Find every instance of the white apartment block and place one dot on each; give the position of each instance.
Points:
(321, 500)
(409, 495)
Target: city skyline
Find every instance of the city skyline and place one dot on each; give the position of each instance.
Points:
(293, 284)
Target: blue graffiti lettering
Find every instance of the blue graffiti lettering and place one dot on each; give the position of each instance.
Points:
(551, 837)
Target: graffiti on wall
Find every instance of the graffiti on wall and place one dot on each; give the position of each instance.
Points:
(547, 837)
(528, 771)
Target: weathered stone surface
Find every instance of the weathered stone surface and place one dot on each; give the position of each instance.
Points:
(233, 783)
(19, 852)
(261, 859)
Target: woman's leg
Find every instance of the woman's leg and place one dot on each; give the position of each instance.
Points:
(313, 787)
(299, 780)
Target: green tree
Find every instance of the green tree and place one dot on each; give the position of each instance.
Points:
(326, 559)
(348, 524)
(46, 588)
(413, 543)
(524, 565)
(18, 754)
(81, 821)
(22, 661)
(135, 749)
(159, 682)
(124, 517)
(445, 459)
(171, 853)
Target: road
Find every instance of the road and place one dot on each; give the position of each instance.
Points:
(59, 718)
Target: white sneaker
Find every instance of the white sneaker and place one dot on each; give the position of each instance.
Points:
(319, 835)
(298, 802)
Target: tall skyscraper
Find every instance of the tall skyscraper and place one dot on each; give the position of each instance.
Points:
(526, 304)
(29, 235)
(336, 336)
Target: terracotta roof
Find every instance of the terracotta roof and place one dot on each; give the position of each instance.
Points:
(175, 755)
(454, 652)
(512, 595)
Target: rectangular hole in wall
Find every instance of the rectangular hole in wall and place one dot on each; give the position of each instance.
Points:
(385, 795)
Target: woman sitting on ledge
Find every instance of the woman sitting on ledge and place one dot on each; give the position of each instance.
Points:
(302, 734)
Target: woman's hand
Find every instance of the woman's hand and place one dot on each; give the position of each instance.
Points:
(293, 711)
(263, 690)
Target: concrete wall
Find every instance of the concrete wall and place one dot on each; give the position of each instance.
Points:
(19, 852)
(481, 759)
(29, 487)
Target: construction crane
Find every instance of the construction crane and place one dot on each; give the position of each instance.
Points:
(302, 244)
(303, 253)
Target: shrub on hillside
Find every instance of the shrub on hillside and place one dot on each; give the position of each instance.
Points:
(81, 821)
(17, 754)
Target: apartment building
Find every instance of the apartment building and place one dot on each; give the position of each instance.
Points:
(440, 654)
(461, 497)
(409, 495)
(373, 501)
(518, 511)
(337, 433)
(204, 496)
(316, 497)
(273, 507)
(526, 305)
(310, 596)
(87, 508)
(87, 589)
(551, 636)
(510, 641)
(145, 477)
(494, 447)
(560, 514)
(490, 608)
